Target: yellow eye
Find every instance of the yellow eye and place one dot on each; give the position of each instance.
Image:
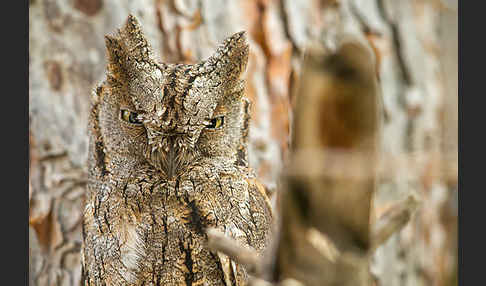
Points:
(130, 117)
(215, 123)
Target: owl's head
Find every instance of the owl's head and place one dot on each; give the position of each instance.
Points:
(172, 116)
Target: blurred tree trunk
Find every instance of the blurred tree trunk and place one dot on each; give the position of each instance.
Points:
(415, 45)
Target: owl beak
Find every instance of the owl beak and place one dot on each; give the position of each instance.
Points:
(172, 165)
(169, 156)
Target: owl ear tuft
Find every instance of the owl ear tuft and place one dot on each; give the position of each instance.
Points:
(135, 43)
(127, 48)
(115, 54)
(231, 56)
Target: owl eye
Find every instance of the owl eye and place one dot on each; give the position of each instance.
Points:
(215, 123)
(130, 117)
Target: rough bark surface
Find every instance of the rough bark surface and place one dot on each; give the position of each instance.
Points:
(415, 46)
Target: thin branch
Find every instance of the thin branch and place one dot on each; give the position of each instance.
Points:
(393, 221)
(217, 241)
(323, 244)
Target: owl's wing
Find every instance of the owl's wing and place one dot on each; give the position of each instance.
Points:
(259, 194)
(229, 270)
(251, 229)
(234, 274)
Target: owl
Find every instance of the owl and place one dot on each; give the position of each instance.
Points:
(167, 160)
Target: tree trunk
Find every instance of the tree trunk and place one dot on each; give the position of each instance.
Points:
(415, 49)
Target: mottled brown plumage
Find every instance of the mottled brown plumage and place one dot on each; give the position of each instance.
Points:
(167, 159)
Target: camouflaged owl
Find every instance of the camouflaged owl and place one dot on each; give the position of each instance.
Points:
(167, 160)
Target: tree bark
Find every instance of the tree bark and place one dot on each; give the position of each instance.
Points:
(415, 49)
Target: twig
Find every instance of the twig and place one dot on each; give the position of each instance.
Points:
(323, 244)
(217, 241)
(393, 221)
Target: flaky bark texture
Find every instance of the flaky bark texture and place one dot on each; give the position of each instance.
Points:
(415, 49)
